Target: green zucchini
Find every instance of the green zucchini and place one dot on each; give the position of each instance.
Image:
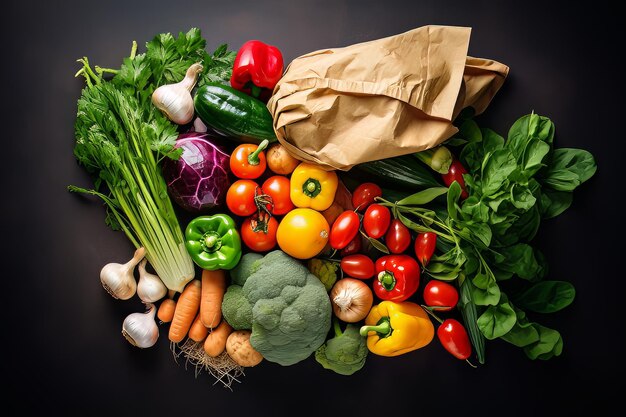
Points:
(234, 113)
(401, 172)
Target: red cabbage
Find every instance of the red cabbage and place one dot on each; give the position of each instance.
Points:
(199, 180)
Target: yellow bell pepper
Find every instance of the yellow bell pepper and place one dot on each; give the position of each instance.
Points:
(393, 329)
(312, 187)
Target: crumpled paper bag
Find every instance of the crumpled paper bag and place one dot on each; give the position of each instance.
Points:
(388, 97)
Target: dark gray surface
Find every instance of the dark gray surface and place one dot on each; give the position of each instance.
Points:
(61, 337)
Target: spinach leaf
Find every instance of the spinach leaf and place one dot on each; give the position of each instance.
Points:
(454, 193)
(550, 344)
(523, 333)
(422, 197)
(522, 260)
(530, 126)
(497, 168)
(498, 320)
(469, 130)
(553, 203)
(547, 296)
(485, 290)
(568, 169)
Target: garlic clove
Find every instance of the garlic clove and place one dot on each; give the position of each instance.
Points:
(140, 329)
(118, 279)
(150, 288)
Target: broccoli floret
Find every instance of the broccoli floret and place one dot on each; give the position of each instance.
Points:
(245, 268)
(290, 309)
(236, 308)
(325, 271)
(345, 353)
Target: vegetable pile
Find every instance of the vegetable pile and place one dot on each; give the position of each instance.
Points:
(298, 262)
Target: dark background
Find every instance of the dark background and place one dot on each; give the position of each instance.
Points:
(63, 352)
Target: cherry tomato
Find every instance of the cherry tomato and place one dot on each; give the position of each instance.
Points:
(240, 197)
(302, 233)
(259, 233)
(455, 173)
(278, 188)
(248, 160)
(353, 247)
(454, 338)
(376, 220)
(358, 266)
(398, 237)
(425, 244)
(364, 195)
(344, 229)
(440, 294)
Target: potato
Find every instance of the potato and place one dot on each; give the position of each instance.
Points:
(240, 350)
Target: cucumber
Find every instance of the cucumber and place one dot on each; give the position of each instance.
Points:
(234, 113)
(401, 172)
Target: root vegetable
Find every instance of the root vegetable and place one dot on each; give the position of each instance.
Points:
(215, 342)
(352, 299)
(150, 288)
(279, 160)
(213, 289)
(140, 329)
(239, 348)
(187, 308)
(198, 331)
(166, 310)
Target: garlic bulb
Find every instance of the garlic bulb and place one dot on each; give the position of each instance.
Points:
(140, 329)
(150, 288)
(118, 279)
(175, 99)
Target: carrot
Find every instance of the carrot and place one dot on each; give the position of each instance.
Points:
(198, 331)
(213, 289)
(166, 310)
(215, 342)
(186, 310)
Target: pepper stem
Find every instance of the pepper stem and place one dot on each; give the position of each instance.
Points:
(211, 242)
(311, 187)
(383, 328)
(387, 280)
(253, 158)
(255, 90)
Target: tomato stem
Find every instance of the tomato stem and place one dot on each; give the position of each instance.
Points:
(253, 158)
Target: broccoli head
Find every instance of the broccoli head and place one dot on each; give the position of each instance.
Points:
(290, 309)
(345, 353)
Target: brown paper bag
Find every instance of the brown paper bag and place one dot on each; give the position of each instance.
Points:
(383, 98)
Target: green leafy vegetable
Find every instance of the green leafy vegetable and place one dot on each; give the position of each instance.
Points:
(485, 240)
(121, 138)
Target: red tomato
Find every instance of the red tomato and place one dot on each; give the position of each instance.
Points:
(353, 247)
(455, 173)
(398, 237)
(248, 161)
(259, 235)
(364, 195)
(425, 244)
(240, 197)
(376, 220)
(278, 188)
(440, 294)
(344, 229)
(454, 338)
(358, 266)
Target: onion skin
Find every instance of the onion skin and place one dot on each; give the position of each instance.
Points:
(352, 299)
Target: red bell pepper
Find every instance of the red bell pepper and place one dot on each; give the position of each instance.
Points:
(257, 68)
(398, 277)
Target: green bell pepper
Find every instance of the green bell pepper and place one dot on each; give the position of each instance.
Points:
(213, 242)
